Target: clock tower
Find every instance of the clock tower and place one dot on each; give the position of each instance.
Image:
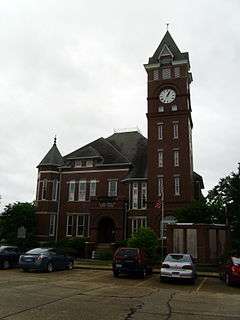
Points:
(170, 165)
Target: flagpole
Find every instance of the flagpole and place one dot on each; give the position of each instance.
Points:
(162, 196)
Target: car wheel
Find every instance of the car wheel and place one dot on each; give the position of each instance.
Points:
(6, 264)
(162, 279)
(70, 265)
(25, 270)
(227, 279)
(116, 274)
(49, 267)
(192, 281)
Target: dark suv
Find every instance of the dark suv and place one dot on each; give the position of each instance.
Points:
(131, 261)
(9, 256)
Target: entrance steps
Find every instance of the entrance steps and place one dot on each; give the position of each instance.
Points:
(104, 251)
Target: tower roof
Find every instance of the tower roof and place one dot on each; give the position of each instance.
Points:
(53, 157)
(168, 46)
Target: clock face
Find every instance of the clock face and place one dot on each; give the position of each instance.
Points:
(167, 95)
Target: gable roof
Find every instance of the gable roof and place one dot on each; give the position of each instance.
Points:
(171, 45)
(99, 148)
(52, 158)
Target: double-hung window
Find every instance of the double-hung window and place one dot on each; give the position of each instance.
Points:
(137, 223)
(160, 131)
(144, 195)
(82, 190)
(44, 189)
(55, 185)
(176, 158)
(160, 186)
(177, 185)
(112, 188)
(69, 227)
(135, 195)
(82, 225)
(175, 129)
(92, 188)
(71, 191)
(52, 223)
(160, 158)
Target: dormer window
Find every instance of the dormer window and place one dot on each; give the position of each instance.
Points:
(78, 163)
(89, 163)
(83, 163)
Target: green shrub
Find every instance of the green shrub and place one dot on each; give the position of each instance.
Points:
(145, 239)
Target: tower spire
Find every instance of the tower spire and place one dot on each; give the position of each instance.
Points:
(167, 25)
(55, 140)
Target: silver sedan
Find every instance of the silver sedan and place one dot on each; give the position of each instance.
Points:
(178, 266)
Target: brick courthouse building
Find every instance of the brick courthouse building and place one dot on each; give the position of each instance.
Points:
(107, 189)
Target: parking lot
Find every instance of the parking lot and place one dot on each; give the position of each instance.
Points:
(90, 294)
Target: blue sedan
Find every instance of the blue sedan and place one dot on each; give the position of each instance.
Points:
(45, 259)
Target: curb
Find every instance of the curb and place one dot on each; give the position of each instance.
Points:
(156, 271)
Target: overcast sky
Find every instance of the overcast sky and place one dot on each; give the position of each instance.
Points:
(75, 69)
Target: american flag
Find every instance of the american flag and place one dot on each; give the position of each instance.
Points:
(158, 204)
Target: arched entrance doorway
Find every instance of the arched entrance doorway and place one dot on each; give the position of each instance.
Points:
(106, 230)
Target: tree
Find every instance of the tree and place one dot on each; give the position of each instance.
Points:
(197, 212)
(15, 216)
(145, 239)
(226, 197)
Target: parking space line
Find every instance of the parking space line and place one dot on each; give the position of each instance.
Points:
(201, 285)
(143, 282)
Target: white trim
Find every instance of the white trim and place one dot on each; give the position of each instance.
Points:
(82, 193)
(84, 225)
(92, 171)
(138, 222)
(115, 188)
(135, 195)
(165, 47)
(67, 225)
(52, 225)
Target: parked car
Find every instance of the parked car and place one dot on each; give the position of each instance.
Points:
(131, 261)
(9, 256)
(45, 259)
(230, 272)
(178, 266)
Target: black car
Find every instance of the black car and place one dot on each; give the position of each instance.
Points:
(131, 261)
(45, 259)
(9, 256)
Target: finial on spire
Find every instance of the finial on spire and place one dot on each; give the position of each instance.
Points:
(55, 140)
(167, 24)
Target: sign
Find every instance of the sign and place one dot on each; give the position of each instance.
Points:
(21, 232)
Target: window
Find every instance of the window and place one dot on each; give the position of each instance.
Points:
(144, 195)
(177, 186)
(176, 158)
(160, 131)
(69, 228)
(160, 186)
(112, 188)
(78, 163)
(135, 196)
(82, 190)
(160, 158)
(174, 107)
(175, 129)
(176, 72)
(89, 163)
(55, 185)
(52, 222)
(161, 109)
(82, 225)
(71, 191)
(166, 73)
(93, 188)
(163, 225)
(155, 75)
(137, 223)
(44, 189)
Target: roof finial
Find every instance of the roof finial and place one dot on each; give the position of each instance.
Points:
(55, 140)
(167, 24)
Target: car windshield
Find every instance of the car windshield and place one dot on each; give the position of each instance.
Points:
(236, 260)
(177, 258)
(37, 251)
(127, 252)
